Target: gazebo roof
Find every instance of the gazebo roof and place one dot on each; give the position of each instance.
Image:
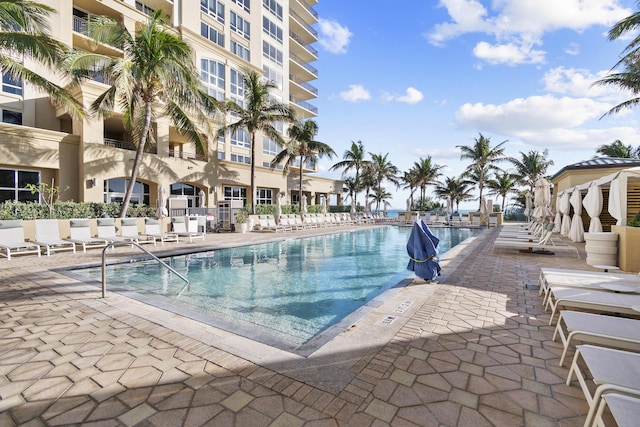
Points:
(599, 163)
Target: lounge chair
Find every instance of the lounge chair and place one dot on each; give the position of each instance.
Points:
(107, 231)
(612, 371)
(179, 225)
(12, 240)
(545, 243)
(594, 300)
(271, 224)
(129, 231)
(589, 328)
(558, 277)
(48, 237)
(152, 229)
(623, 408)
(80, 234)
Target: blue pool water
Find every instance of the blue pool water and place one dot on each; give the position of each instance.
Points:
(283, 293)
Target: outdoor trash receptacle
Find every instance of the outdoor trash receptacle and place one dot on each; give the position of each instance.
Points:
(601, 248)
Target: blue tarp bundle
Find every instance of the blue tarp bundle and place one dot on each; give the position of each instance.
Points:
(422, 248)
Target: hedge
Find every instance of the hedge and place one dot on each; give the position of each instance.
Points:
(67, 210)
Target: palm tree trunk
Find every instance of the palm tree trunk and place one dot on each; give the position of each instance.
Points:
(300, 197)
(137, 161)
(253, 173)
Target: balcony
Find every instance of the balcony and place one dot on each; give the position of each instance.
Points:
(305, 85)
(303, 104)
(303, 24)
(125, 145)
(186, 155)
(304, 65)
(312, 50)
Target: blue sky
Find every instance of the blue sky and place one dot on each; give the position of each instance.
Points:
(417, 78)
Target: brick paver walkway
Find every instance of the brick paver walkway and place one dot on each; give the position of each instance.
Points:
(473, 350)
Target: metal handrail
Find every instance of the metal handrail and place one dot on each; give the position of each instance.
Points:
(104, 264)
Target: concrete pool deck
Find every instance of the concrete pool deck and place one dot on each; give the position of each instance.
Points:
(474, 349)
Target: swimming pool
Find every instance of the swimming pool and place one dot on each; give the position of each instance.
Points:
(287, 293)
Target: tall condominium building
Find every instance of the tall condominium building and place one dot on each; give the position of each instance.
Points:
(93, 156)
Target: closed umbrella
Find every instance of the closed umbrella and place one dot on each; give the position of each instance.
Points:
(565, 207)
(409, 205)
(528, 211)
(483, 210)
(324, 205)
(201, 198)
(557, 221)
(278, 209)
(422, 248)
(303, 205)
(542, 198)
(577, 226)
(161, 210)
(592, 204)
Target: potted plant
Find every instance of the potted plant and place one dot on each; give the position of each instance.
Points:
(241, 223)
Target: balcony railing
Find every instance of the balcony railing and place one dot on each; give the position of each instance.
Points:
(125, 145)
(186, 155)
(308, 47)
(303, 64)
(304, 104)
(304, 24)
(80, 25)
(305, 85)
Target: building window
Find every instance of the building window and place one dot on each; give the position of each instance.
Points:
(274, 7)
(270, 147)
(213, 8)
(264, 196)
(236, 193)
(144, 8)
(13, 117)
(240, 50)
(240, 138)
(245, 4)
(240, 26)
(211, 34)
(220, 155)
(239, 158)
(9, 85)
(272, 29)
(237, 88)
(114, 190)
(185, 191)
(272, 53)
(270, 166)
(212, 73)
(13, 185)
(273, 75)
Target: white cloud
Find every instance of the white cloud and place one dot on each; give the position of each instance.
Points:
(509, 53)
(579, 83)
(333, 36)
(517, 25)
(411, 96)
(526, 116)
(355, 93)
(441, 153)
(572, 49)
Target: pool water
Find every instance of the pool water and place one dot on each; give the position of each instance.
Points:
(283, 293)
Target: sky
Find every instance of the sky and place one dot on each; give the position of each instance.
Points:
(418, 78)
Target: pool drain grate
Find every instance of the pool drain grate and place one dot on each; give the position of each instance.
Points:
(403, 307)
(388, 320)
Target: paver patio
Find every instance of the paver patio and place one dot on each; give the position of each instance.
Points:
(473, 350)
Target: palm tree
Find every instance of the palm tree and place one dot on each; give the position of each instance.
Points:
(426, 173)
(483, 159)
(503, 184)
(350, 187)
(530, 167)
(367, 181)
(156, 68)
(24, 33)
(354, 158)
(382, 169)
(380, 196)
(302, 146)
(410, 179)
(619, 150)
(455, 189)
(260, 114)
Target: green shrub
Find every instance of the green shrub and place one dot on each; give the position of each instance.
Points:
(635, 221)
(66, 210)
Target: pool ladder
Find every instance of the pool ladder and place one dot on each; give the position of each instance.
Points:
(113, 244)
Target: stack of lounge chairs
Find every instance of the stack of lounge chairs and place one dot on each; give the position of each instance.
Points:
(599, 311)
(536, 238)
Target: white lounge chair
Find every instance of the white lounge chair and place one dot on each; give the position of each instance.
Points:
(545, 243)
(129, 231)
(179, 225)
(152, 229)
(107, 231)
(623, 408)
(48, 237)
(595, 300)
(558, 277)
(80, 234)
(612, 371)
(12, 240)
(589, 328)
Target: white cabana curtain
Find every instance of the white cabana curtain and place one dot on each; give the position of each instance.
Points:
(615, 201)
(592, 204)
(577, 226)
(557, 221)
(565, 206)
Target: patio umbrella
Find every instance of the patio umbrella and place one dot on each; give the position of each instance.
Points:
(161, 210)
(324, 205)
(303, 205)
(565, 207)
(201, 198)
(541, 198)
(278, 208)
(422, 248)
(577, 226)
(557, 221)
(483, 210)
(409, 205)
(527, 206)
(592, 204)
